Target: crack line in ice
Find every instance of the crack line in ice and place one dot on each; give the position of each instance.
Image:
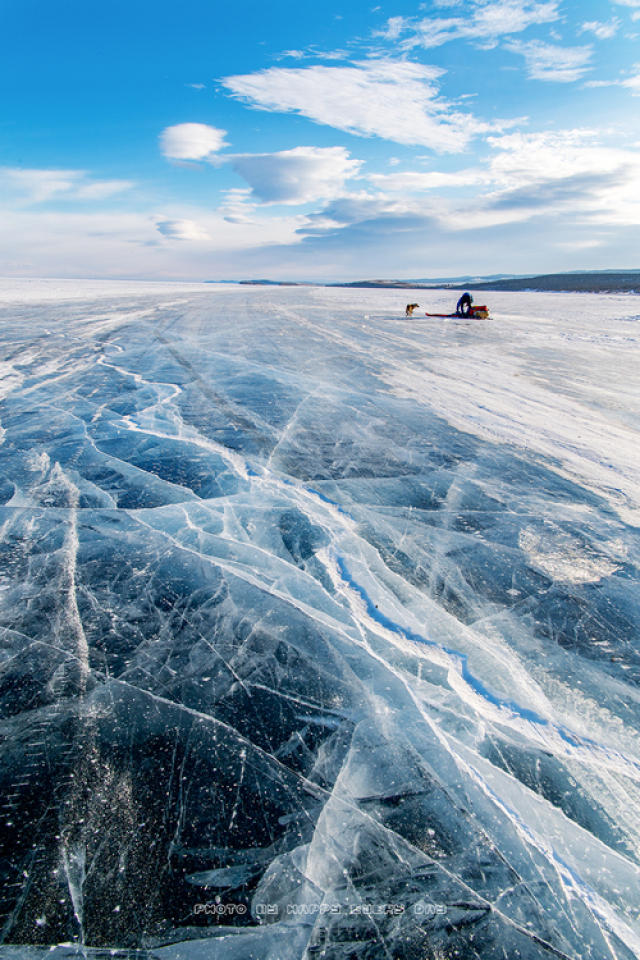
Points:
(313, 788)
(69, 620)
(245, 572)
(141, 650)
(248, 419)
(299, 700)
(198, 440)
(588, 750)
(567, 876)
(319, 791)
(483, 901)
(361, 629)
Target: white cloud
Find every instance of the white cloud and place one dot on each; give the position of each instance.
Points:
(33, 186)
(511, 16)
(393, 99)
(354, 236)
(633, 82)
(603, 31)
(181, 230)
(412, 181)
(191, 141)
(488, 21)
(297, 176)
(41, 242)
(371, 216)
(571, 171)
(38, 186)
(179, 242)
(101, 189)
(395, 27)
(567, 177)
(545, 61)
(635, 4)
(524, 158)
(238, 206)
(220, 231)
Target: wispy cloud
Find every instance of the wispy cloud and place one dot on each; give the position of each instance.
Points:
(487, 21)
(632, 82)
(634, 4)
(313, 52)
(100, 189)
(292, 55)
(235, 226)
(393, 99)
(180, 242)
(546, 61)
(34, 186)
(603, 31)
(191, 141)
(410, 182)
(395, 28)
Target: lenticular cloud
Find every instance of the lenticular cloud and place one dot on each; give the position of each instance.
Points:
(297, 176)
(191, 141)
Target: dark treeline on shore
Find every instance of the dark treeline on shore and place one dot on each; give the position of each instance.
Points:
(597, 282)
(570, 282)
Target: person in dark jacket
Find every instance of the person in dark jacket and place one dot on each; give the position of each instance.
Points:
(463, 306)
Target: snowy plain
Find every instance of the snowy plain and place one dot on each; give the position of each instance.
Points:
(319, 624)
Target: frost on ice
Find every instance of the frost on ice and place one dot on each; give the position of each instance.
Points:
(319, 627)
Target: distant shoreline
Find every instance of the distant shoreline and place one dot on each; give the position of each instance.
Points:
(595, 282)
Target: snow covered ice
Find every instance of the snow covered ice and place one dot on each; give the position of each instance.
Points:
(319, 629)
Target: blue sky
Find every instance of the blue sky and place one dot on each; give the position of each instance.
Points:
(204, 140)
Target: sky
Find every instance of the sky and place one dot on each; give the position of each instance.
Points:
(204, 140)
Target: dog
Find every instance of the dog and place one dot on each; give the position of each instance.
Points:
(410, 308)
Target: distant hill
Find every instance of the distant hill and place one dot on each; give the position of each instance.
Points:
(614, 282)
(428, 283)
(595, 281)
(273, 283)
(600, 281)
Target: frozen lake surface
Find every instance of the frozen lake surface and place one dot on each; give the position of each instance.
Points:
(319, 630)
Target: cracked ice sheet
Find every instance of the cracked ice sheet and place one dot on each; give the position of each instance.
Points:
(318, 625)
